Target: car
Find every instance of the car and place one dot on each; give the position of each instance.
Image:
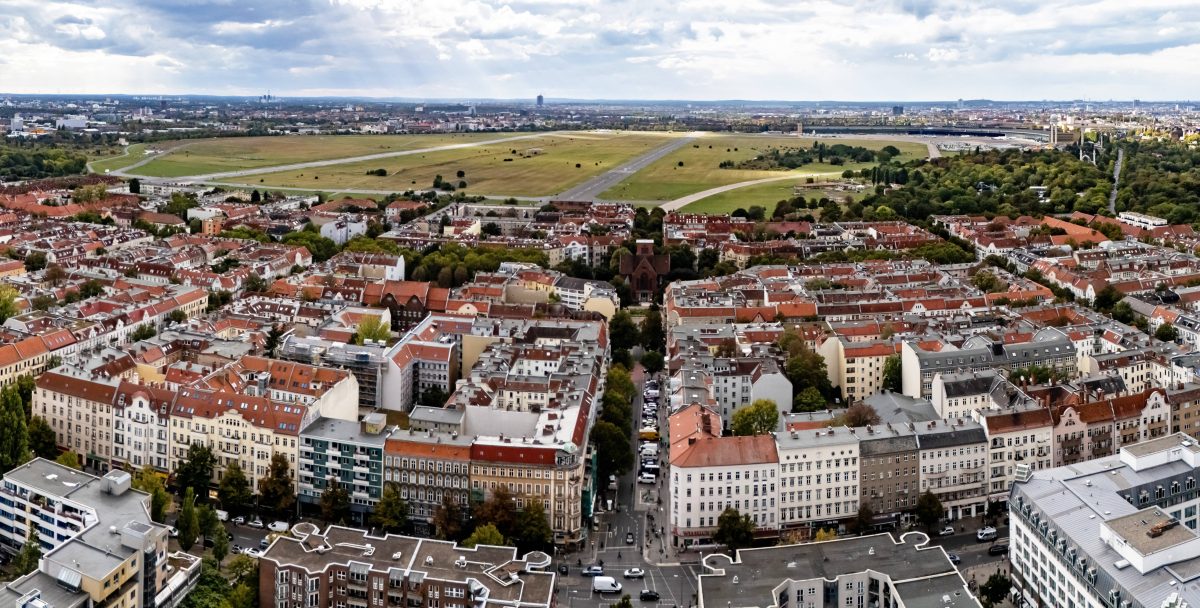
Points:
(648, 595)
(1000, 549)
(255, 523)
(635, 573)
(593, 571)
(647, 478)
(947, 531)
(222, 515)
(564, 569)
(985, 533)
(255, 553)
(629, 539)
(239, 521)
(262, 544)
(173, 531)
(954, 558)
(278, 526)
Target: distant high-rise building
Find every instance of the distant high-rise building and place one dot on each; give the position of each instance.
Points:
(960, 103)
(540, 101)
(1137, 103)
(897, 110)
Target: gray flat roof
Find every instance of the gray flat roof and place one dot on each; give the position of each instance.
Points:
(1135, 528)
(760, 571)
(332, 429)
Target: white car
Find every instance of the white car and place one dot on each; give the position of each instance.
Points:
(173, 531)
(252, 552)
(255, 523)
(635, 573)
(278, 526)
(947, 531)
(647, 478)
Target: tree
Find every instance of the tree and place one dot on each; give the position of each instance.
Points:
(614, 455)
(484, 534)
(255, 197)
(243, 568)
(14, 441)
(624, 333)
(625, 601)
(653, 336)
(273, 338)
(809, 400)
(69, 459)
(275, 491)
(234, 490)
(824, 535)
(863, 520)
(860, 414)
(391, 512)
(532, 529)
(42, 440)
(243, 595)
(35, 261)
(372, 328)
(8, 302)
(320, 247)
(27, 558)
(653, 361)
(995, 589)
(143, 332)
(929, 510)
(499, 509)
(1166, 333)
(220, 546)
(447, 519)
(734, 530)
(1123, 312)
(135, 186)
(209, 524)
(149, 481)
(335, 502)
(1107, 298)
(727, 348)
(758, 418)
(196, 470)
(188, 523)
(892, 378)
(55, 275)
(177, 316)
(807, 368)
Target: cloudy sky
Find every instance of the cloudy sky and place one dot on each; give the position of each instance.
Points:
(611, 49)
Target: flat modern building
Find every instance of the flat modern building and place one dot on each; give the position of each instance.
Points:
(1118, 531)
(872, 570)
(347, 453)
(347, 568)
(100, 547)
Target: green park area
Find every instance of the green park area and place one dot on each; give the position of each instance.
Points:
(234, 153)
(538, 166)
(696, 167)
(119, 159)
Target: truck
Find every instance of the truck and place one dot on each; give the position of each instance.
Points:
(605, 584)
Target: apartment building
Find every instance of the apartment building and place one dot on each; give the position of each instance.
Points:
(954, 458)
(141, 426)
(100, 547)
(875, 570)
(1114, 531)
(429, 468)
(427, 357)
(856, 368)
(348, 453)
(1017, 435)
(1048, 347)
(709, 474)
(354, 569)
(889, 478)
(818, 479)
(78, 405)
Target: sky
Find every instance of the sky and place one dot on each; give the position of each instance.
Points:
(855, 50)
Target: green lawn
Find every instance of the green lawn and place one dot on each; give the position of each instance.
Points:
(541, 166)
(120, 160)
(232, 153)
(764, 195)
(666, 180)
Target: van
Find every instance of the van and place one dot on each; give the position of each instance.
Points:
(985, 534)
(649, 450)
(648, 433)
(605, 584)
(222, 515)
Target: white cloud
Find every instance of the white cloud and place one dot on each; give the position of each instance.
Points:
(703, 49)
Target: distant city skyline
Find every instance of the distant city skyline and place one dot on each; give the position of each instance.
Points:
(856, 50)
